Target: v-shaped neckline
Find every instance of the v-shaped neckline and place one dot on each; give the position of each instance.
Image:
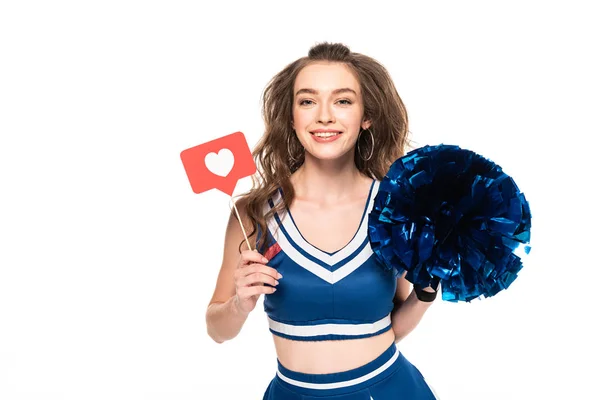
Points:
(354, 237)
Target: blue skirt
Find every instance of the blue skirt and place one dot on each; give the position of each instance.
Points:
(389, 376)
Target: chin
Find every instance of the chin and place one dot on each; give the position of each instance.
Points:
(326, 156)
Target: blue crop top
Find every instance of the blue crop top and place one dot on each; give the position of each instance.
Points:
(326, 296)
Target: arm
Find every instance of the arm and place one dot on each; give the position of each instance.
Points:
(224, 319)
(242, 279)
(408, 309)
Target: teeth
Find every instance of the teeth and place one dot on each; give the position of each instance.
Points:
(325, 134)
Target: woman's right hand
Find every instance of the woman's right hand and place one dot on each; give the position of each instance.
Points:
(250, 276)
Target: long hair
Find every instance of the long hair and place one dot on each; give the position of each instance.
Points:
(275, 164)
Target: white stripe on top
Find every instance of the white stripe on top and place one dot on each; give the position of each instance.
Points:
(331, 259)
(352, 246)
(330, 329)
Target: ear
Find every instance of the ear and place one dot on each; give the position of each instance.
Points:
(366, 124)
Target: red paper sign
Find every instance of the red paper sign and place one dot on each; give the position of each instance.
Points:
(218, 164)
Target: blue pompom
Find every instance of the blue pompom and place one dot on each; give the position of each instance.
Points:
(445, 214)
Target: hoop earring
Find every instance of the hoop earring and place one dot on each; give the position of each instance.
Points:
(372, 145)
(294, 159)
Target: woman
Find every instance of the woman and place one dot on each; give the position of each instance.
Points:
(334, 125)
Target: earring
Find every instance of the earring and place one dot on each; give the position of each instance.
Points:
(372, 145)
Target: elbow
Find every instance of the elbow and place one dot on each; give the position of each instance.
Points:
(218, 329)
(214, 335)
(400, 327)
(210, 331)
(216, 339)
(399, 334)
(214, 331)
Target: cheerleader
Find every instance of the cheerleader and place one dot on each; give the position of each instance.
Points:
(334, 123)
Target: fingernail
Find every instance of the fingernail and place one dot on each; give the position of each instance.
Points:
(265, 259)
(279, 276)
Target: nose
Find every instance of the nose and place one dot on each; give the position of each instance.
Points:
(325, 115)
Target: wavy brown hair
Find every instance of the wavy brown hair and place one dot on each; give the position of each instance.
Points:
(275, 164)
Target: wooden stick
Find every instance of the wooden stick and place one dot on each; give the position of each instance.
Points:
(240, 221)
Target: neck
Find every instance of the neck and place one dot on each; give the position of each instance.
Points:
(327, 180)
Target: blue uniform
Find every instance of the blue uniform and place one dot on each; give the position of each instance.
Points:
(334, 296)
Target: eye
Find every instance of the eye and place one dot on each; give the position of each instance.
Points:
(343, 101)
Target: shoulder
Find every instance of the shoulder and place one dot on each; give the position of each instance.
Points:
(250, 209)
(239, 225)
(240, 211)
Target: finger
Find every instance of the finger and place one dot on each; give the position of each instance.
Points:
(253, 257)
(250, 291)
(253, 268)
(257, 278)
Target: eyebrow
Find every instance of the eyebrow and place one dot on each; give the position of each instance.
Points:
(313, 91)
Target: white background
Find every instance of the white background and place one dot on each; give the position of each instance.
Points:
(108, 259)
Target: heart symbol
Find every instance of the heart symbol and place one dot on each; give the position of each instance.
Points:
(219, 164)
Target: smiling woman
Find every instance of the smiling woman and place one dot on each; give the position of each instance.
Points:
(334, 125)
(332, 113)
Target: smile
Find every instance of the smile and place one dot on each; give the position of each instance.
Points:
(325, 134)
(325, 137)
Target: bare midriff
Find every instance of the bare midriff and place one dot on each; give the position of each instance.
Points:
(330, 356)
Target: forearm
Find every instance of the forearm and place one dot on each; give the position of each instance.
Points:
(224, 320)
(407, 316)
